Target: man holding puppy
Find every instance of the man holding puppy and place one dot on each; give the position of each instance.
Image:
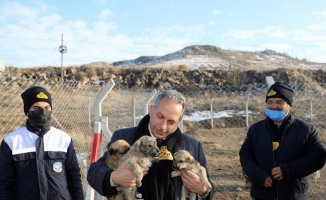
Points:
(161, 123)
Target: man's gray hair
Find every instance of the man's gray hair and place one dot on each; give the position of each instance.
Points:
(173, 95)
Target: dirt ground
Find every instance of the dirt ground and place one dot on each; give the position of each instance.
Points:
(221, 147)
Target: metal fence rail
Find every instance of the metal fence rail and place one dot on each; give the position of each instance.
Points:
(211, 115)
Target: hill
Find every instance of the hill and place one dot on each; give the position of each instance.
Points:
(208, 56)
(196, 67)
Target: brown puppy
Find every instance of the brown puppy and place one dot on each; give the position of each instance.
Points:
(116, 150)
(182, 159)
(142, 154)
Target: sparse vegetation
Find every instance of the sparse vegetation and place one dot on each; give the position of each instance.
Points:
(228, 88)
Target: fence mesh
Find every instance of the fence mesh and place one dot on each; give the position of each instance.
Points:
(217, 116)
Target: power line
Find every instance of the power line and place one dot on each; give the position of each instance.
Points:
(89, 41)
(147, 43)
(26, 38)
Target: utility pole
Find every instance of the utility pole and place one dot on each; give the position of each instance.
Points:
(62, 50)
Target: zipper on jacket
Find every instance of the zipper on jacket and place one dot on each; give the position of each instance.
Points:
(277, 157)
(274, 162)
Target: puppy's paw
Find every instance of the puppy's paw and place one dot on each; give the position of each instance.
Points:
(138, 183)
(175, 173)
(139, 196)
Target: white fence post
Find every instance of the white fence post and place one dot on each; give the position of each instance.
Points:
(97, 139)
(148, 99)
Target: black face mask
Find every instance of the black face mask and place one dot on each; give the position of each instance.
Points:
(40, 118)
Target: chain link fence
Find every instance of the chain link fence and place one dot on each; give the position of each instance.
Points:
(217, 116)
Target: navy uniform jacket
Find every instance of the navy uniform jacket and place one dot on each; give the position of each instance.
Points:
(301, 152)
(28, 173)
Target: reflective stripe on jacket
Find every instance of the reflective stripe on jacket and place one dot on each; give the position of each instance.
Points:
(22, 167)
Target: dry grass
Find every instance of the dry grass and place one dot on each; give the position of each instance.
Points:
(221, 147)
(221, 144)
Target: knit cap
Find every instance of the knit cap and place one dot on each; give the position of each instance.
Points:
(281, 90)
(33, 95)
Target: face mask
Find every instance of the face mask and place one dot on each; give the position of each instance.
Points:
(275, 115)
(40, 118)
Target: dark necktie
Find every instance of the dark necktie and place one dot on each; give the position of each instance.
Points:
(159, 141)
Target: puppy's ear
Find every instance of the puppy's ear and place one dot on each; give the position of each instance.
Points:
(126, 150)
(189, 160)
(112, 151)
(137, 144)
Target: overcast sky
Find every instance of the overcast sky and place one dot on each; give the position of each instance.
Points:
(115, 30)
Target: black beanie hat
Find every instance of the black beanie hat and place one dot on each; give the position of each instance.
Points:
(33, 95)
(281, 90)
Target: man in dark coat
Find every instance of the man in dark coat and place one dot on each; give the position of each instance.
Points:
(161, 123)
(281, 151)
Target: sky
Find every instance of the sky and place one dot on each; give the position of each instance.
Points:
(32, 31)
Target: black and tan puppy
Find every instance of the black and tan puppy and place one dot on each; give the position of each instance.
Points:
(142, 154)
(116, 150)
(182, 159)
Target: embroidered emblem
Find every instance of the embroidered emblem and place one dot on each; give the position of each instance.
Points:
(57, 167)
(275, 145)
(164, 154)
(41, 95)
(271, 93)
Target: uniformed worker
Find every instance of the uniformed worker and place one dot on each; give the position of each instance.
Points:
(37, 160)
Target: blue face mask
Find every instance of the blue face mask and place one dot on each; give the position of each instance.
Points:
(275, 115)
